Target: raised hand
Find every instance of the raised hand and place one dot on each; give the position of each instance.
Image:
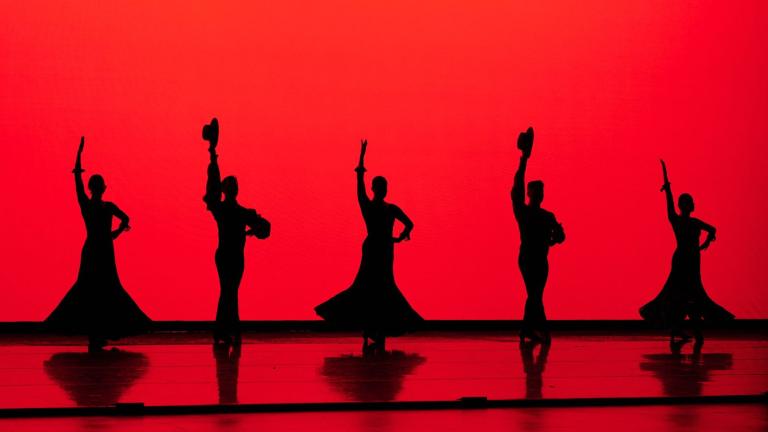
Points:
(665, 186)
(525, 142)
(78, 162)
(211, 133)
(363, 147)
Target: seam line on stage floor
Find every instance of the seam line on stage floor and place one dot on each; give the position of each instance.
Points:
(429, 325)
(139, 409)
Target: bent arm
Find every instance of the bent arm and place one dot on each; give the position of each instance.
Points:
(557, 233)
(407, 224)
(518, 186)
(124, 226)
(710, 230)
(259, 227)
(213, 184)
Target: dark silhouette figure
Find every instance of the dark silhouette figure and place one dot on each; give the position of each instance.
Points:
(374, 302)
(533, 366)
(683, 293)
(97, 378)
(538, 231)
(97, 305)
(370, 378)
(232, 220)
(227, 370)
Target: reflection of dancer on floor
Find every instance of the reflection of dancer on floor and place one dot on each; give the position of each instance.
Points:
(97, 304)
(683, 293)
(96, 378)
(533, 366)
(227, 358)
(374, 302)
(539, 230)
(232, 220)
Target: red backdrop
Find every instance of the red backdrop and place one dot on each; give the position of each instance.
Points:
(440, 89)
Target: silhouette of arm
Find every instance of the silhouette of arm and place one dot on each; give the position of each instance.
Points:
(557, 233)
(667, 188)
(362, 196)
(116, 212)
(212, 196)
(518, 187)
(258, 226)
(82, 198)
(525, 144)
(407, 223)
(710, 234)
(213, 184)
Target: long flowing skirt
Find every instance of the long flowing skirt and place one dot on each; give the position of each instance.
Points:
(97, 304)
(373, 302)
(683, 295)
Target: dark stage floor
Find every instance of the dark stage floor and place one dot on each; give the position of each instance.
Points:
(181, 369)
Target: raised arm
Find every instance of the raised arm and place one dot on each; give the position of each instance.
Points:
(407, 223)
(667, 189)
(213, 184)
(116, 212)
(362, 196)
(518, 186)
(82, 198)
(525, 144)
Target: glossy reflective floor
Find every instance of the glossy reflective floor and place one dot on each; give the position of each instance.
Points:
(680, 418)
(186, 369)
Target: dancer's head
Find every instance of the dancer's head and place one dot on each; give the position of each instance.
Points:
(535, 192)
(685, 203)
(97, 186)
(379, 187)
(229, 187)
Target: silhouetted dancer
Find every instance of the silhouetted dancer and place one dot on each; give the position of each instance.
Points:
(227, 358)
(96, 378)
(373, 302)
(683, 293)
(232, 219)
(538, 231)
(97, 305)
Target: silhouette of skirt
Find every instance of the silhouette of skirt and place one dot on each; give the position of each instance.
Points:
(683, 295)
(373, 302)
(97, 304)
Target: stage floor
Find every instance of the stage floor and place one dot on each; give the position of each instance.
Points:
(175, 369)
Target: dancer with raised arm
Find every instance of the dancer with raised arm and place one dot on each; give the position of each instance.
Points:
(234, 222)
(373, 302)
(539, 230)
(683, 293)
(97, 305)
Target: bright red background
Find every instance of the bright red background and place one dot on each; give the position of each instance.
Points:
(441, 90)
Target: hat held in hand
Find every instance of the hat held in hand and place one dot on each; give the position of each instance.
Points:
(525, 141)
